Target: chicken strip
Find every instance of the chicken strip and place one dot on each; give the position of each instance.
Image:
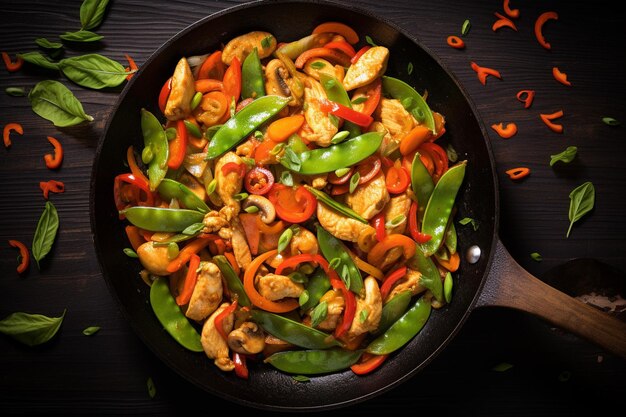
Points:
(370, 198)
(319, 127)
(207, 294)
(276, 287)
(213, 344)
(371, 65)
(369, 309)
(343, 227)
(396, 120)
(241, 250)
(183, 89)
(410, 282)
(228, 185)
(398, 205)
(334, 308)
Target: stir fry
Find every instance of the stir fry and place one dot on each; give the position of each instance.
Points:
(291, 205)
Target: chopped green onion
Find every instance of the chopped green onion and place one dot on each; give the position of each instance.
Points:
(396, 221)
(240, 196)
(536, 256)
(251, 209)
(354, 181)
(284, 239)
(447, 287)
(130, 253)
(210, 188)
(466, 27)
(195, 101)
(339, 137)
(610, 121)
(341, 172)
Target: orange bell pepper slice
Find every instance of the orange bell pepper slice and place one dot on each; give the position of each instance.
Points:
(24, 254)
(541, 20)
(339, 28)
(376, 255)
(455, 42)
(505, 130)
(548, 120)
(6, 133)
(53, 161)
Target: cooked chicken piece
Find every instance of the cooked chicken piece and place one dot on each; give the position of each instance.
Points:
(153, 258)
(319, 181)
(214, 345)
(247, 148)
(394, 118)
(342, 227)
(207, 294)
(388, 145)
(319, 128)
(248, 338)
(303, 241)
(183, 89)
(369, 309)
(397, 206)
(316, 66)
(370, 198)
(410, 282)
(335, 304)
(213, 222)
(372, 64)
(242, 45)
(275, 287)
(228, 185)
(241, 250)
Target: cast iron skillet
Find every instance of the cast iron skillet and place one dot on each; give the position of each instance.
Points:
(496, 279)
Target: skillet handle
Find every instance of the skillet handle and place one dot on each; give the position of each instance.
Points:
(510, 285)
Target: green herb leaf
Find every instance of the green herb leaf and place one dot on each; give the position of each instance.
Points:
(369, 40)
(467, 220)
(447, 287)
(354, 181)
(318, 65)
(15, 91)
(45, 233)
(81, 36)
(451, 152)
(46, 44)
(466, 27)
(91, 330)
(151, 387)
(31, 329)
(284, 239)
(193, 229)
(36, 58)
(53, 101)
(582, 200)
(502, 367)
(130, 253)
(319, 314)
(409, 68)
(301, 378)
(566, 156)
(292, 159)
(610, 121)
(286, 178)
(92, 12)
(93, 71)
(536, 256)
(359, 100)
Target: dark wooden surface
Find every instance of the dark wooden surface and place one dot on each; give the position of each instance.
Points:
(553, 373)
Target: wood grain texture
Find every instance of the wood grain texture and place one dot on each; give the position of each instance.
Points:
(106, 373)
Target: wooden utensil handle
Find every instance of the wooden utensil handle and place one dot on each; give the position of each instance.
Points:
(510, 285)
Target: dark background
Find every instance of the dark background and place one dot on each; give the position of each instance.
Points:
(552, 373)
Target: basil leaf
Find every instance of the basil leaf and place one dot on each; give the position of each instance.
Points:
(93, 71)
(468, 220)
(91, 330)
(582, 200)
(46, 232)
(53, 101)
(566, 156)
(31, 329)
(46, 44)
(92, 12)
(36, 58)
(81, 36)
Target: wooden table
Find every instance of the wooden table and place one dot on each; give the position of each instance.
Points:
(553, 373)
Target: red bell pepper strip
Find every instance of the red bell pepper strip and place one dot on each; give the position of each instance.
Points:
(541, 20)
(339, 28)
(24, 255)
(185, 253)
(164, 94)
(190, 281)
(483, 72)
(54, 161)
(518, 173)
(378, 223)
(178, 146)
(51, 186)
(368, 363)
(219, 319)
(390, 280)
(548, 120)
(132, 66)
(12, 66)
(342, 46)
(503, 21)
(455, 42)
(6, 133)
(368, 168)
(241, 368)
(232, 80)
(137, 186)
(526, 97)
(359, 54)
(514, 13)
(418, 236)
(374, 93)
(345, 113)
(212, 67)
(560, 76)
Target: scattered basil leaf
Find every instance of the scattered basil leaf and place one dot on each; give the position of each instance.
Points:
(447, 287)
(369, 40)
(266, 42)
(409, 68)
(467, 220)
(81, 36)
(36, 58)
(293, 160)
(93, 71)
(284, 239)
(582, 200)
(91, 330)
(363, 315)
(318, 65)
(286, 178)
(610, 121)
(46, 232)
(15, 91)
(319, 314)
(359, 100)
(46, 44)
(536, 256)
(91, 13)
(301, 378)
(151, 387)
(303, 298)
(31, 329)
(565, 376)
(354, 181)
(451, 152)
(130, 253)
(466, 27)
(251, 209)
(193, 229)
(566, 156)
(502, 367)
(53, 101)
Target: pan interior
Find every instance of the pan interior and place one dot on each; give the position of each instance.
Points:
(288, 21)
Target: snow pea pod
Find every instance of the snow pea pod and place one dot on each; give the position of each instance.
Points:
(158, 219)
(312, 362)
(233, 282)
(335, 92)
(171, 317)
(316, 287)
(430, 278)
(252, 85)
(335, 205)
(333, 248)
(451, 238)
(392, 311)
(293, 332)
(244, 123)
(421, 183)
(154, 139)
(437, 213)
(171, 189)
(412, 101)
(334, 157)
(403, 330)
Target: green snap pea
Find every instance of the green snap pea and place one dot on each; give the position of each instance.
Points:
(177, 238)
(421, 183)
(335, 92)
(341, 155)
(412, 101)
(447, 287)
(403, 330)
(170, 189)
(335, 205)
(158, 219)
(333, 248)
(155, 139)
(233, 282)
(392, 310)
(437, 213)
(171, 317)
(312, 362)
(430, 278)
(451, 238)
(243, 123)
(195, 100)
(317, 286)
(252, 84)
(293, 331)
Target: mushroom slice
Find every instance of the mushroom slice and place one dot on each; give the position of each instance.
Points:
(279, 81)
(267, 212)
(248, 339)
